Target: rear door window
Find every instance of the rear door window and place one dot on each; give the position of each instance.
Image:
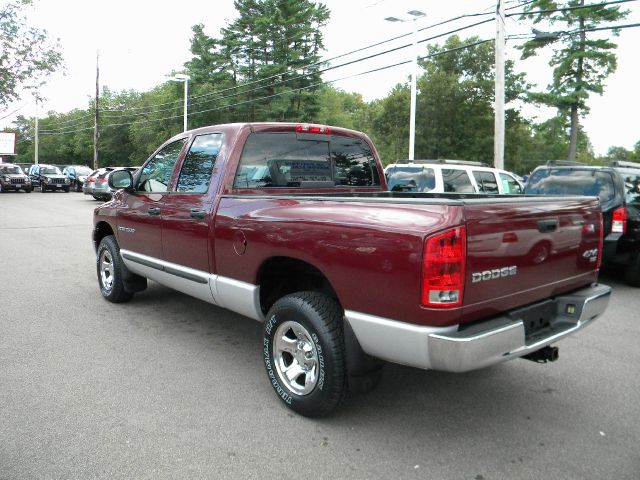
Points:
(486, 181)
(195, 174)
(510, 185)
(456, 181)
(291, 160)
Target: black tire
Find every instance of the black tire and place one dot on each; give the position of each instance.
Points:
(632, 272)
(317, 352)
(28, 190)
(43, 189)
(109, 268)
(66, 189)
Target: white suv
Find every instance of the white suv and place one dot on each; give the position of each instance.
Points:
(450, 176)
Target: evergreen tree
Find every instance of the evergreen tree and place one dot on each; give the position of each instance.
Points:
(582, 60)
(271, 53)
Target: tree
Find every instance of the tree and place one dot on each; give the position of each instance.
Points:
(580, 64)
(266, 62)
(27, 55)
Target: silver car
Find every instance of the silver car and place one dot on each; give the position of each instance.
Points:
(97, 184)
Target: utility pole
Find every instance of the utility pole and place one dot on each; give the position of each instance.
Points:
(36, 137)
(95, 125)
(498, 137)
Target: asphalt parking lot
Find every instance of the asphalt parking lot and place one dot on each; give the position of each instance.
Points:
(168, 386)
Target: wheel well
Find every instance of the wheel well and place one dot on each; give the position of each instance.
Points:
(101, 230)
(280, 276)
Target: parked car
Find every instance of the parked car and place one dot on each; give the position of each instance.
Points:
(12, 178)
(617, 186)
(97, 183)
(293, 226)
(450, 176)
(48, 177)
(77, 174)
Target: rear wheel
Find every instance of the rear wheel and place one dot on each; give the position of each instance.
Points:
(109, 267)
(304, 352)
(632, 272)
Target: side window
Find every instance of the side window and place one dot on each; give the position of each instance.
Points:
(156, 173)
(486, 181)
(195, 174)
(510, 185)
(456, 181)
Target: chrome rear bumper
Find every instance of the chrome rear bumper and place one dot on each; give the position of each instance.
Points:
(508, 336)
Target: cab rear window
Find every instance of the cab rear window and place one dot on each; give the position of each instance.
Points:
(292, 160)
(564, 181)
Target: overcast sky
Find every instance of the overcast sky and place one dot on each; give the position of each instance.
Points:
(141, 41)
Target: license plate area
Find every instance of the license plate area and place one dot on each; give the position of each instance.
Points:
(536, 317)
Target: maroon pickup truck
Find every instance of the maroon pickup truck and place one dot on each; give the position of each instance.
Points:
(293, 226)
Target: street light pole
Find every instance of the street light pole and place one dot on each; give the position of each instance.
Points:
(416, 14)
(181, 77)
(498, 137)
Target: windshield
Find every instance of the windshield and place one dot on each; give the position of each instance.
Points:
(10, 170)
(83, 171)
(412, 180)
(566, 181)
(50, 171)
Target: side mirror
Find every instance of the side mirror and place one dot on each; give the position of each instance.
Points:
(121, 179)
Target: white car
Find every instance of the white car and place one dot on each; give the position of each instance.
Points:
(450, 176)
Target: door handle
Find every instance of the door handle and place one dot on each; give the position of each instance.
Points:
(154, 211)
(195, 213)
(548, 225)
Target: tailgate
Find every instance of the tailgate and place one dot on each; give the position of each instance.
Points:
(526, 249)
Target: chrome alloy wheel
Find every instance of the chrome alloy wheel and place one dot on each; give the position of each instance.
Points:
(296, 358)
(106, 270)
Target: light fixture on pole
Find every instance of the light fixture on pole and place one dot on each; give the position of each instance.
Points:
(181, 77)
(416, 14)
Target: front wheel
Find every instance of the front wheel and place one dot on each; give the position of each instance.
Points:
(43, 189)
(303, 349)
(109, 266)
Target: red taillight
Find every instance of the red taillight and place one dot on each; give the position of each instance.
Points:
(305, 128)
(619, 224)
(443, 268)
(101, 180)
(91, 180)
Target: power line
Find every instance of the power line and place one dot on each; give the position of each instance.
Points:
(320, 62)
(567, 9)
(528, 36)
(271, 85)
(432, 55)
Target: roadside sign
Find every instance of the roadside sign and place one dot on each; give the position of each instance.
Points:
(7, 143)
